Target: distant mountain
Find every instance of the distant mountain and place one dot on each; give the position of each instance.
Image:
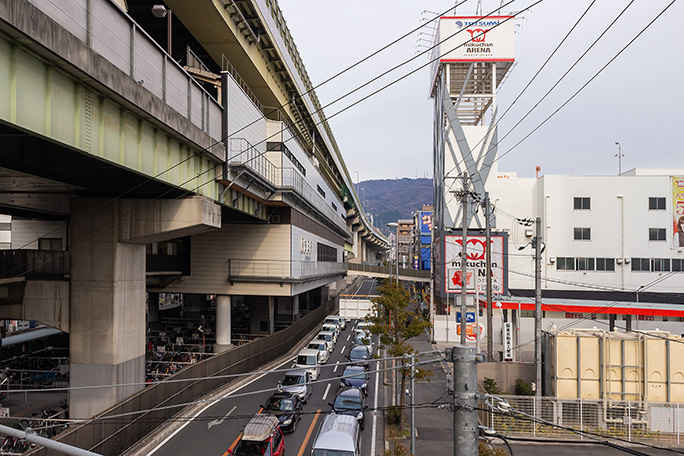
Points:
(389, 200)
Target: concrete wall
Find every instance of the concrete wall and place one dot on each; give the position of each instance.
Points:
(505, 374)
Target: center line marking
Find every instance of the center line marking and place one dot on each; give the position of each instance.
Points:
(348, 337)
(336, 366)
(308, 433)
(327, 389)
(342, 351)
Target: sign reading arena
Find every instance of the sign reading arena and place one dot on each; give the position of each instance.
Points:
(476, 265)
(476, 39)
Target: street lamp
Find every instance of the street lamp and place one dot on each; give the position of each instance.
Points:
(619, 155)
(161, 11)
(396, 247)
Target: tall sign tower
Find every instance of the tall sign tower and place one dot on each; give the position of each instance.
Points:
(472, 57)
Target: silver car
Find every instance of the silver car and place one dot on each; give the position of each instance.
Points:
(296, 382)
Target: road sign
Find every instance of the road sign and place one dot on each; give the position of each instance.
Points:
(4, 412)
(470, 317)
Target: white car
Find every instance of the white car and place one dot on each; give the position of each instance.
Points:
(330, 327)
(308, 360)
(327, 336)
(322, 348)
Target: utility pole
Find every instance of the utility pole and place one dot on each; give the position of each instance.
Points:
(537, 307)
(465, 399)
(464, 241)
(413, 404)
(488, 259)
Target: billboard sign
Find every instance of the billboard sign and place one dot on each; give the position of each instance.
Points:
(476, 265)
(425, 223)
(678, 211)
(476, 39)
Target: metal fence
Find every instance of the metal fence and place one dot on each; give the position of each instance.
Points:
(579, 419)
(117, 429)
(282, 269)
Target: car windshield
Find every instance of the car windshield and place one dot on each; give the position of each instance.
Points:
(358, 353)
(306, 360)
(279, 404)
(354, 372)
(362, 340)
(316, 347)
(246, 448)
(345, 402)
(327, 337)
(290, 380)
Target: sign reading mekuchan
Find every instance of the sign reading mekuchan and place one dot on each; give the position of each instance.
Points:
(476, 265)
(476, 39)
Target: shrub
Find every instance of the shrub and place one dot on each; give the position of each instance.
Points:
(523, 388)
(490, 386)
(485, 449)
(394, 414)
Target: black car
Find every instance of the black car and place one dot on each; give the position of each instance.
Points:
(287, 407)
(359, 354)
(352, 402)
(355, 377)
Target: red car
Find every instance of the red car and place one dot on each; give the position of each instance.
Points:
(262, 437)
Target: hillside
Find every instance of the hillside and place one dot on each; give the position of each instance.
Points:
(389, 200)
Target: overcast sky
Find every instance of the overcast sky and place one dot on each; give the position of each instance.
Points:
(636, 100)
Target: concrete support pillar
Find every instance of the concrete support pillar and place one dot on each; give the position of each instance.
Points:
(271, 314)
(295, 308)
(223, 336)
(153, 317)
(107, 310)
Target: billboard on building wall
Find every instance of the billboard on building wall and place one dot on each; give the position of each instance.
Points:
(425, 223)
(476, 265)
(476, 39)
(678, 211)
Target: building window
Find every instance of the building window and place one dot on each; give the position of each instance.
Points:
(605, 264)
(656, 234)
(326, 253)
(585, 264)
(582, 203)
(320, 190)
(565, 264)
(641, 264)
(656, 204)
(50, 244)
(660, 264)
(677, 265)
(582, 234)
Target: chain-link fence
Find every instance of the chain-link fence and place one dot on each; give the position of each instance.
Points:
(550, 417)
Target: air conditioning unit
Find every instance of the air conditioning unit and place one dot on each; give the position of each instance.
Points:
(552, 260)
(618, 260)
(528, 233)
(628, 260)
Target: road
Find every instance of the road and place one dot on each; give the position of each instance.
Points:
(217, 427)
(367, 288)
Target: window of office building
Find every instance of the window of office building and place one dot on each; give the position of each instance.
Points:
(656, 204)
(677, 264)
(320, 190)
(582, 203)
(660, 264)
(326, 253)
(565, 264)
(582, 234)
(641, 264)
(605, 264)
(656, 234)
(585, 264)
(49, 244)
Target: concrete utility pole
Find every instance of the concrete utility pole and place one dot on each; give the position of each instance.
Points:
(464, 241)
(413, 404)
(465, 399)
(537, 307)
(488, 259)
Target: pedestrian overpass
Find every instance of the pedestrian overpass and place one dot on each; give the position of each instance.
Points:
(384, 272)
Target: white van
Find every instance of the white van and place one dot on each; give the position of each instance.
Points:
(322, 348)
(328, 337)
(339, 321)
(308, 360)
(333, 328)
(338, 435)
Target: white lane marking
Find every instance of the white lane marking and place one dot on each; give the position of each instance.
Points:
(375, 406)
(337, 364)
(342, 351)
(327, 389)
(216, 422)
(348, 337)
(199, 412)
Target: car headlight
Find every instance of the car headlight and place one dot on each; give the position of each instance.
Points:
(342, 384)
(359, 417)
(364, 386)
(287, 422)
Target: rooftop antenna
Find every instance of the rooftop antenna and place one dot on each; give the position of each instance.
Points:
(478, 10)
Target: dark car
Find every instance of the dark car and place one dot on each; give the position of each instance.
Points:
(350, 401)
(355, 377)
(359, 354)
(286, 407)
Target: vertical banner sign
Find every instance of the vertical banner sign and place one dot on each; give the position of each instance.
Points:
(678, 211)
(425, 223)
(508, 341)
(476, 265)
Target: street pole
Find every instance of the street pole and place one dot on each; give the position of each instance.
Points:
(537, 307)
(397, 255)
(432, 280)
(465, 400)
(413, 404)
(488, 259)
(464, 241)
